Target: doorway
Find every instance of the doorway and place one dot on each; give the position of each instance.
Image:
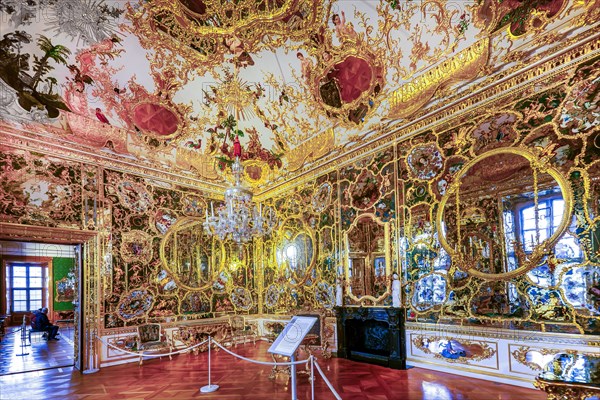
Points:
(32, 276)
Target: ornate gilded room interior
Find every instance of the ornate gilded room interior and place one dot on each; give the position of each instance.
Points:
(417, 179)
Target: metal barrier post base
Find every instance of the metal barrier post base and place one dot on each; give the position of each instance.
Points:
(209, 388)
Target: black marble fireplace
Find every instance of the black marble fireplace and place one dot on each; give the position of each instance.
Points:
(372, 334)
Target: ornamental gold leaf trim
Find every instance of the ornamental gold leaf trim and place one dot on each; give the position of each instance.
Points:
(521, 353)
(310, 150)
(465, 65)
(486, 351)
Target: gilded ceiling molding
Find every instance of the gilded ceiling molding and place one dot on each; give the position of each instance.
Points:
(35, 139)
(87, 131)
(565, 60)
(592, 11)
(310, 150)
(203, 164)
(550, 73)
(464, 66)
(210, 32)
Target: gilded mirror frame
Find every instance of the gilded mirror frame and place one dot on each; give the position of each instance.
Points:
(217, 247)
(541, 249)
(388, 262)
(277, 242)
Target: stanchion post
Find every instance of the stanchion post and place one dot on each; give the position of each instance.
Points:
(210, 387)
(293, 373)
(312, 377)
(23, 340)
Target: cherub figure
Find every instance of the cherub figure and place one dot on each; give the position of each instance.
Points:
(305, 66)
(344, 31)
(236, 47)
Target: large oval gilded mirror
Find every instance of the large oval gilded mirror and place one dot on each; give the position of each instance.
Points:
(193, 258)
(295, 251)
(503, 214)
(367, 261)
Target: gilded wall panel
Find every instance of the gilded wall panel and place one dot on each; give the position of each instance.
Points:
(302, 257)
(40, 190)
(498, 221)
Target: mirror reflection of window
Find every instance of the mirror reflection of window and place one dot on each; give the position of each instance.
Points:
(581, 286)
(550, 213)
(291, 254)
(502, 210)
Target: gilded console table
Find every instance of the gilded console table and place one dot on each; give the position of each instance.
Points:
(192, 334)
(561, 390)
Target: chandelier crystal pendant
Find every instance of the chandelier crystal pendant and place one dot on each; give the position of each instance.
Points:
(238, 219)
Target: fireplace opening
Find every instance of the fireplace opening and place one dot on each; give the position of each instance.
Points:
(368, 337)
(372, 334)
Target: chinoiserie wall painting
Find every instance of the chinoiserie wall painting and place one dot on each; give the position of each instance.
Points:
(493, 220)
(158, 264)
(490, 216)
(301, 258)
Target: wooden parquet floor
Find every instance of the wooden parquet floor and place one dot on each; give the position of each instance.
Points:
(42, 354)
(182, 377)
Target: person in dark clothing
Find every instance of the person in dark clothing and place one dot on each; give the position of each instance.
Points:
(42, 323)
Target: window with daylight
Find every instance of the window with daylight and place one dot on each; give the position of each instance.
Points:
(550, 212)
(26, 284)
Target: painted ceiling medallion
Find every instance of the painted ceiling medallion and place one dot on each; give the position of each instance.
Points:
(155, 118)
(211, 31)
(154, 114)
(347, 85)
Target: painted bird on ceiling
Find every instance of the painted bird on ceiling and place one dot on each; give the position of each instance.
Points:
(101, 117)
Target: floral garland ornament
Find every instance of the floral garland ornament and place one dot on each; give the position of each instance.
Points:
(257, 160)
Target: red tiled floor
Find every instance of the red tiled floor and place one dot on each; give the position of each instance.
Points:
(182, 377)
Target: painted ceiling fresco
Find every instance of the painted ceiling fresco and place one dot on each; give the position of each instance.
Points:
(298, 82)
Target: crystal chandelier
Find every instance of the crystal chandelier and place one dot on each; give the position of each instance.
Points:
(238, 219)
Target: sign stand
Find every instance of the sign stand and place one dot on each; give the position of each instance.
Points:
(288, 341)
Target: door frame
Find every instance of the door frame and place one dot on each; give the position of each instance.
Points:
(87, 313)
